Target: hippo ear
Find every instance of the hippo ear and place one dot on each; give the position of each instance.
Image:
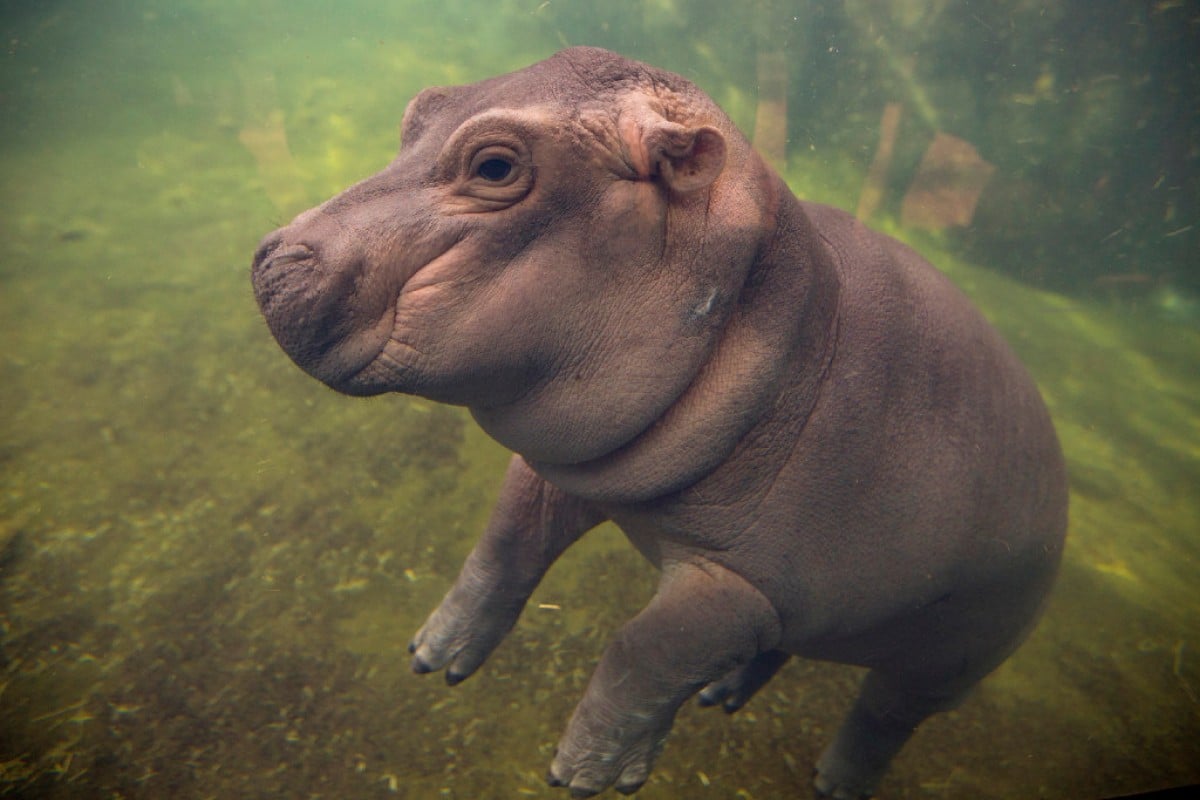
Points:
(688, 159)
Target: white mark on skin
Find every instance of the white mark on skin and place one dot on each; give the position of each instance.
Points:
(703, 309)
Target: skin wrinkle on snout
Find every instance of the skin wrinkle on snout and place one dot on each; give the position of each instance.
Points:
(386, 358)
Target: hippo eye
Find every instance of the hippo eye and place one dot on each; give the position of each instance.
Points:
(495, 165)
(494, 170)
(497, 177)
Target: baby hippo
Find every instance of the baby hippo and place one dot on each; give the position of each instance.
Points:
(817, 439)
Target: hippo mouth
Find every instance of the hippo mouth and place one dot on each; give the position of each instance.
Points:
(364, 368)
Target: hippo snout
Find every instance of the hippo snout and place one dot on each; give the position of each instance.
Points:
(315, 308)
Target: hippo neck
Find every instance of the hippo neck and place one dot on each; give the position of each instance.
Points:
(779, 339)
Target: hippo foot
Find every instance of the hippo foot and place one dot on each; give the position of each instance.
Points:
(461, 633)
(737, 687)
(829, 787)
(621, 757)
(853, 765)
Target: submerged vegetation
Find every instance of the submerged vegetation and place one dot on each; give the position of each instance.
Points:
(210, 565)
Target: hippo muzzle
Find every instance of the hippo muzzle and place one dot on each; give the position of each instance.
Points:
(328, 284)
(304, 304)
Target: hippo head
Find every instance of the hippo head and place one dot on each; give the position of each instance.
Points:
(557, 249)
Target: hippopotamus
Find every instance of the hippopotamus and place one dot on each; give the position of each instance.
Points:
(814, 436)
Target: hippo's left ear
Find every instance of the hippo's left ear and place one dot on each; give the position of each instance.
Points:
(688, 159)
(685, 158)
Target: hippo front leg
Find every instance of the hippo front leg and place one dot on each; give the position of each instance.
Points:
(703, 622)
(531, 525)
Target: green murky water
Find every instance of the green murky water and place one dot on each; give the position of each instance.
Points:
(210, 565)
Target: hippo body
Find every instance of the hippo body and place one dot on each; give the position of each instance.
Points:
(817, 439)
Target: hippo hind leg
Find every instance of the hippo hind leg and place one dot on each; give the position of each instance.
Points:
(938, 657)
(883, 718)
(899, 694)
(735, 689)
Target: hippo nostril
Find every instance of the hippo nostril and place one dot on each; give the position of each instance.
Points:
(272, 254)
(290, 254)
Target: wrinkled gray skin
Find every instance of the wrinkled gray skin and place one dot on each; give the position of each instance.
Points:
(825, 449)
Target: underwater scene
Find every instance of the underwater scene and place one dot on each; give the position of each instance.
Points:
(211, 565)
